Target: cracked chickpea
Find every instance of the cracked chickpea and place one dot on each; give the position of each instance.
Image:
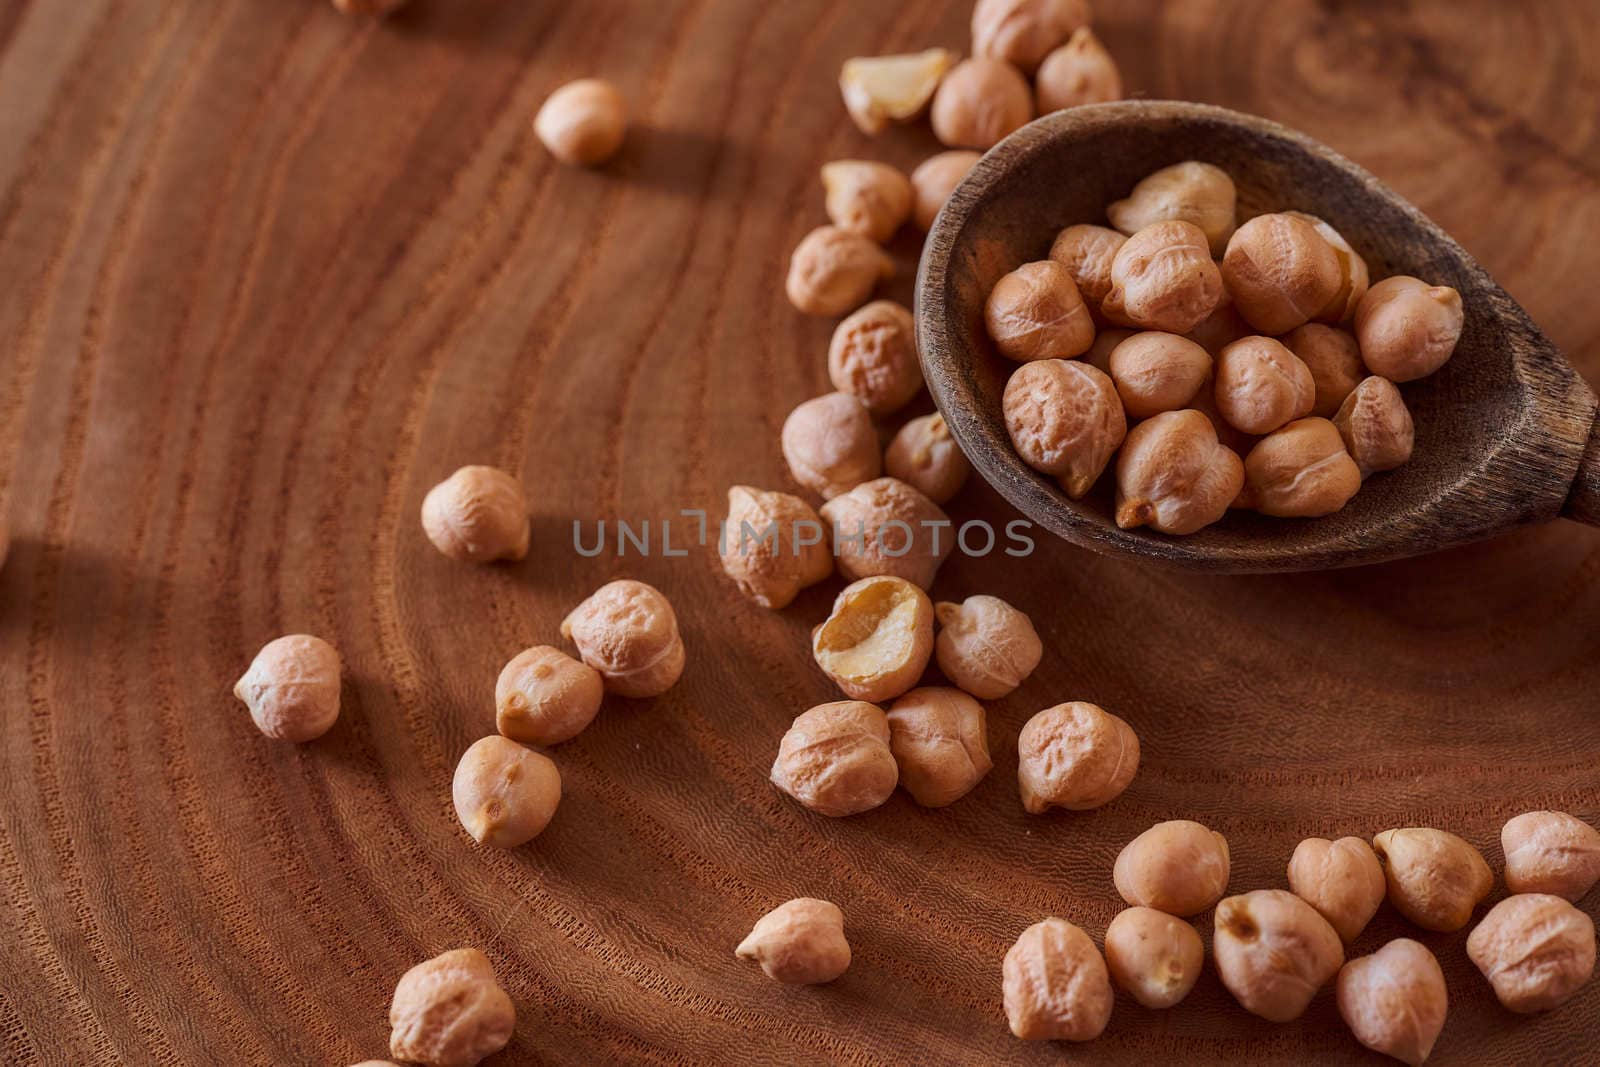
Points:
(1194, 192)
(979, 103)
(584, 122)
(1407, 328)
(1156, 372)
(292, 688)
(773, 546)
(834, 271)
(505, 794)
(1087, 252)
(986, 646)
(544, 697)
(1536, 950)
(1342, 879)
(939, 741)
(877, 640)
(866, 198)
(1394, 1001)
(1163, 278)
(1075, 756)
(1079, 72)
(1376, 426)
(1023, 32)
(830, 444)
(450, 1011)
(1334, 360)
(628, 632)
(1435, 878)
(478, 514)
(835, 759)
(1300, 471)
(881, 89)
(886, 527)
(1055, 984)
(873, 357)
(934, 180)
(1261, 385)
(925, 457)
(1179, 867)
(1154, 956)
(800, 942)
(1274, 952)
(1281, 271)
(1036, 312)
(1065, 419)
(1551, 852)
(1174, 475)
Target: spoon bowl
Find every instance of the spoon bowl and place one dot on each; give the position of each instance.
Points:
(1506, 431)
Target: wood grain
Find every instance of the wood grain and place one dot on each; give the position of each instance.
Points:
(273, 273)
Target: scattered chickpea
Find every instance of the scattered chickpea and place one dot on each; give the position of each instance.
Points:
(1274, 952)
(1023, 32)
(1036, 312)
(1156, 372)
(1281, 271)
(877, 641)
(773, 546)
(367, 7)
(583, 122)
(1435, 878)
(925, 457)
(1300, 471)
(1105, 343)
(878, 89)
(1536, 950)
(1334, 359)
(830, 444)
(836, 760)
(1261, 385)
(450, 1012)
(1551, 852)
(873, 357)
(1055, 984)
(1194, 192)
(505, 793)
(1376, 426)
(1179, 867)
(800, 942)
(1075, 756)
(544, 697)
(986, 646)
(1342, 879)
(979, 103)
(1394, 1001)
(292, 688)
(1087, 252)
(1353, 275)
(938, 739)
(1079, 72)
(1163, 278)
(934, 180)
(870, 199)
(1407, 328)
(627, 631)
(834, 271)
(478, 514)
(1065, 419)
(1221, 328)
(1155, 957)
(886, 527)
(1174, 475)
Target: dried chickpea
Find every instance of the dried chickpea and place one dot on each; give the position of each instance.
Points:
(979, 103)
(871, 199)
(1179, 867)
(1342, 879)
(1221, 328)
(773, 546)
(830, 444)
(1261, 385)
(877, 89)
(1075, 756)
(934, 180)
(1055, 984)
(1174, 475)
(367, 7)
(1394, 1001)
(1535, 949)
(1163, 278)
(1065, 419)
(1205, 402)
(1300, 471)
(583, 122)
(800, 942)
(505, 794)
(1023, 32)
(986, 646)
(1551, 852)
(1105, 343)
(544, 696)
(1435, 878)
(885, 527)
(1087, 252)
(1376, 426)
(1079, 72)
(1155, 957)
(1194, 192)
(478, 514)
(940, 744)
(292, 688)
(1332, 356)
(1274, 952)
(873, 357)
(834, 271)
(925, 457)
(627, 631)
(1353, 276)
(877, 641)
(450, 1012)
(1407, 328)
(1156, 372)
(1036, 312)
(835, 759)
(1281, 271)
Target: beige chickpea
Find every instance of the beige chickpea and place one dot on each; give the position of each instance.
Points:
(1551, 852)
(1435, 878)
(505, 793)
(925, 456)
(940, 743)
(628, 632)
(1156, 372)
(1179, 867)
(583, 122)
(1407, 328)
(1192, 191)
(1079, 72)
(835, 759)
(1353, 274)
(450, 1011)
(1154, 956)
(1205, 402)
(1075, 756)
(1281, 271)
(1300, 471)
(885, 527)
(868, 198)
(1376, 426)
(979, 103)
(1174, 475)
(1332, 356)
(773, 545)
(986, 646)
(878, 639)
(1036, 312)
(1221, 328)
(367, 7)
(1023, 32)
(830, 444)
(478, 514)
(1261, 385)
(292, 688)
(1342, 879)
(834, 271)
(1274, 952)
(1055, 984)
(881, 89)
(873, 357)
(1065, 419)
(1536, 950)
(934, 180)
(1087, 252)
(1105, 343)
(800, 942)
(1163, 278)
(1394, 1001)
(544, 697)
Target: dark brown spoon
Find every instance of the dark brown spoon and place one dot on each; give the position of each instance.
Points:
(1506, 432)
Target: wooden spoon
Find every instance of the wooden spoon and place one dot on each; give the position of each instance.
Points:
(1506, 432)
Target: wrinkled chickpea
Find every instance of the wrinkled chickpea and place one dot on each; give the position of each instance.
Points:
(450, 1011)
(939, 741)
(292, 688)
(877, 641)
(980, 102)
(1156, 372)
(986, 646)
(1281, 271)
(1174, 475)
(1179, 867)
(1435, 878)
(934, 180)
(1300, 471)
(1342, 879)
(1194, 192)
(925, 457)
(1023, 32)
(1087, 252)
(835, 759)
(1163, 278)
(773, 546)
(800, 942)
(505, 793)
(367, 7)
(1065, 419)
(885, 527)
(1407, 328)
(1551, 852)
(583, 122)
(1376, 426)
(478, 514)
(1394, 1001)
(544, 696)
(830, 444)
(1075, 756)
(1153, 956)
(1334, 359)
(1353, 275)
(1055, 984)
(873, 357)
(871, 199)
(628, 632)
(878, 89)
(834, 271)
(1036, 312)
(1079, 72)
(1274, 952)
(1536, 950)
(1261, 385)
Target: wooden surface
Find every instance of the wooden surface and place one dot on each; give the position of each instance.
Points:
(271, 274)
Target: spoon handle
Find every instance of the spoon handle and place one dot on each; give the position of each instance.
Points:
(1583, 503)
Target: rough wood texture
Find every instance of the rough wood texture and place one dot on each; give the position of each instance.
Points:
(272, 273)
